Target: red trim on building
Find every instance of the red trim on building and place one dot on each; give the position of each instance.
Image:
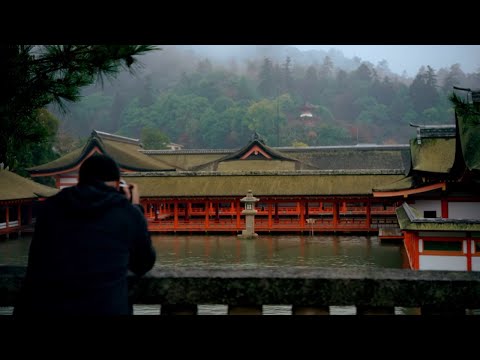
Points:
(405, 193)
(255, 149)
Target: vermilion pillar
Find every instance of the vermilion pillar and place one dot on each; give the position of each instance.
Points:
(238, 212)
(188, 206)
(207, 214)
(269, 207)
(469, 241)
(444, 208)
(335, 214)
(369, 212)
(175, 214)
(301, 205)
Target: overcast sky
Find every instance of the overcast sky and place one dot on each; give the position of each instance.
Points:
(411, 57)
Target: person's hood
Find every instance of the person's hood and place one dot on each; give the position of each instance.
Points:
(88, 199)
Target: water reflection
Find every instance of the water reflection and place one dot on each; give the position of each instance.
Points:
(265, 251)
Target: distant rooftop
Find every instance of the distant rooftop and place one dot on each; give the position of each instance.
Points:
(343, 147)
(105, 135)
(434, 131)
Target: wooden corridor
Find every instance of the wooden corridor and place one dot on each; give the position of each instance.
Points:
(272, 216)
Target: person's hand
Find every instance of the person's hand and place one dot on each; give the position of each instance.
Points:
(134, 193)
(125, 189)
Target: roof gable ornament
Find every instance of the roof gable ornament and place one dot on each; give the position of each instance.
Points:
(257, 137)
(256, 150)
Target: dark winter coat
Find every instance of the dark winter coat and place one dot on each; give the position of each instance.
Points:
(86, 239)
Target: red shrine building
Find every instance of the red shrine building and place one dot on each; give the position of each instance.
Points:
(440, 213)
(18, 197)
(426, 192)
(199, 190)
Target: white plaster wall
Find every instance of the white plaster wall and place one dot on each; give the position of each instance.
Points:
(65, 180)
(436, 262)
(464, 210)
(475, 263)
(428, 205)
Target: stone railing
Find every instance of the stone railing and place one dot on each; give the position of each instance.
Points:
(308, 291)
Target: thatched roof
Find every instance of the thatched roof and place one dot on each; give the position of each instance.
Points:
(254, 156)
(410, 219)
(402, 184)
(129, 157)
(373, 157)
(352, 157)
(313, 183)
(186, 159)
(124, 150)
(255, 165)
(15, 187)
(64, 162)
(434, 155)
(469, 134)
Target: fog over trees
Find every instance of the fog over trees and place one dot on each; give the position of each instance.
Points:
(196, 97)
(36, 76)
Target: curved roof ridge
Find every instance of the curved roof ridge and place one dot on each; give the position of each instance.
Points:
(105, 135)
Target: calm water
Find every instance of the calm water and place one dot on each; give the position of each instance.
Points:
(265, 251)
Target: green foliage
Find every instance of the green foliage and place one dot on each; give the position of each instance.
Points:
(267, 86)
(92, 112)
(154, 139)
(431, 116)
(267, 117)
(135, 118)
(331, 135)
(410, 117)
(373, 113)
(423, 90)
(199, 104)
(461, 106)
(222, 103)
(35, 76)
(44, 126)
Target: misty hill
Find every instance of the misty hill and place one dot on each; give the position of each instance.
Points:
(225, 54)
(215, 97)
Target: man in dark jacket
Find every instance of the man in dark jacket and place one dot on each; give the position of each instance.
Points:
(86, 239)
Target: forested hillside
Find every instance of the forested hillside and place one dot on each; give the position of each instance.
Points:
(196, 101)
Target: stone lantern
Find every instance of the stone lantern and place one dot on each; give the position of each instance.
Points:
(249, 213)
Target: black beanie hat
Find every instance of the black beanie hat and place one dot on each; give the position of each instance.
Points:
(98, 167)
